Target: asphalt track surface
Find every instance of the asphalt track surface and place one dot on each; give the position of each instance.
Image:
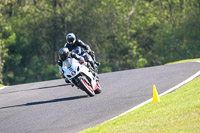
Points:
(53, 106)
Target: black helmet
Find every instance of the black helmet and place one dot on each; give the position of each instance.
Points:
(63, 53)
(71, 38)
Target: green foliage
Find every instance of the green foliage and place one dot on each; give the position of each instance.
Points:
(1, 85)
(180, 41)
(6, 38)
(124, 34)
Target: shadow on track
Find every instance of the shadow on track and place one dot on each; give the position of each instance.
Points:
(45, 102)
(40, 88)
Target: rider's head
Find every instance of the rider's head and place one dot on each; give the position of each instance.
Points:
(63, 53)
(71, 38)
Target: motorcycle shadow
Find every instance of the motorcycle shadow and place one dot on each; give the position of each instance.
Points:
(39, 88)
(48, 101)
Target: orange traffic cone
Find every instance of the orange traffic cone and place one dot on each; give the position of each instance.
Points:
(155, 95)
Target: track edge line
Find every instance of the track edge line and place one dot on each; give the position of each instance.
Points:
(1, 88)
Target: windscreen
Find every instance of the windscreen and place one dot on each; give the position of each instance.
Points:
(68, 62)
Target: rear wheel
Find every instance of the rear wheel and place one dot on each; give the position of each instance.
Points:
(98, 89)
(84, 85)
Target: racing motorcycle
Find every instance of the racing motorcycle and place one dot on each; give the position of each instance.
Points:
(81, 76)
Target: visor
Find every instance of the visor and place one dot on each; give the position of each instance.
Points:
(70, 39)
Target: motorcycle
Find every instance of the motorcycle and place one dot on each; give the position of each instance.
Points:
(81, 76)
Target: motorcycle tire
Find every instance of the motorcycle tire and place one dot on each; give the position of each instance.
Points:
(98, 90)
(83, 84)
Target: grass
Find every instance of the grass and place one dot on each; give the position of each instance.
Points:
(183, 61)
(1, 85)
(177, 112)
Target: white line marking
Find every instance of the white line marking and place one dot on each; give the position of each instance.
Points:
(164, 93)
(1, 88)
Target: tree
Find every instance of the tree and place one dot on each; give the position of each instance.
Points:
(124, 34)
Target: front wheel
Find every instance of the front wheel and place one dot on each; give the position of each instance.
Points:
(84, 85)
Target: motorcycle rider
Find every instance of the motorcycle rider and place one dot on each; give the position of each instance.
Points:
(64, 53)
(72, 43)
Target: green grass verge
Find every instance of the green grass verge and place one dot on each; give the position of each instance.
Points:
(183, 61)
(1, 85)
(177, 112)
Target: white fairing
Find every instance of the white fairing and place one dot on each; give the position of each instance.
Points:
(72, 68)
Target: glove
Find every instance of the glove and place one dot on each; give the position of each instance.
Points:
(82, 60)
(88, 50)
(60, 62)
(63, 75)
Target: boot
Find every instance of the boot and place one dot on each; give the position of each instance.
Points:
(93, 57)
(67, 81)
(92, 64)
(97, 63)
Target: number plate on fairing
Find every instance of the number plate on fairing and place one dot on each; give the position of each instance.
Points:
(72, 71)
